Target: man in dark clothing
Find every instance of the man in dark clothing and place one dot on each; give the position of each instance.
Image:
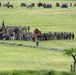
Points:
(28, 28)
(70, 4)
(0, 4)
(37, 42)
(72, 35)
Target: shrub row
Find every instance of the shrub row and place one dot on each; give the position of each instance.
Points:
(36, 72)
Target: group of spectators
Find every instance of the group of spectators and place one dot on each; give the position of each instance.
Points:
(23, 33)
(13, 33)
(56, 36)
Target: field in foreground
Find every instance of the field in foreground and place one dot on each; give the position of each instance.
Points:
(22, 58)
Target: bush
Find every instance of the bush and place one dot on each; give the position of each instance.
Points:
(36, 72)
(46, 72)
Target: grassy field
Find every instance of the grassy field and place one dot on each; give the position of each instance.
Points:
(55, 20)
(22, 58)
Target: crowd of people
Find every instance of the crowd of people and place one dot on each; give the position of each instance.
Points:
(23, 33)
(7, 4)
(13, 33)
(56, 36)
(39, 4)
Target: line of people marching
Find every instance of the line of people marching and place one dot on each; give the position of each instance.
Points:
(39, 4)
(23, 33)
(54, 35)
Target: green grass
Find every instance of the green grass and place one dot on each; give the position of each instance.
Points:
(55, 20)
(59, 44)
(35, 72)
(22, 58)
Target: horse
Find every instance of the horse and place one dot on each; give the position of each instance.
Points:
(23, 4)
(57, 4)
(40, 4)
(74, 5)
(8, 5)
(47, 5)
(64, 6)
(30, 6)
(33, 4)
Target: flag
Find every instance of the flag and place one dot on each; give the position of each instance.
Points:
(3, 24)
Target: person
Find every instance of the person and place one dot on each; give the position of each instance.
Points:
(72, 35)
(70, 4)
(0, 4)
(33, 38)
(37, 42)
